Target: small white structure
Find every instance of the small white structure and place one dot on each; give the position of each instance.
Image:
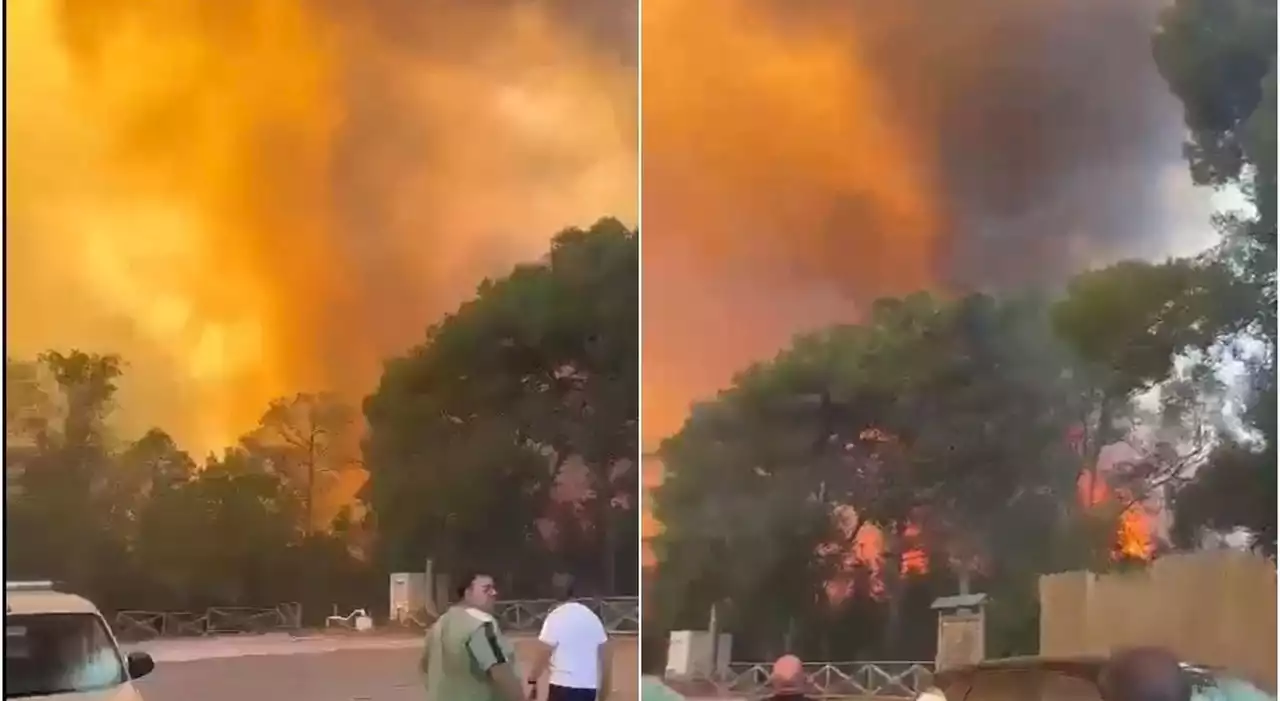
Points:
(358, 619)
(690, 652)
(409, 594)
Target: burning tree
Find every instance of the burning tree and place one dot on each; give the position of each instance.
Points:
(941, 436)
(923, 425)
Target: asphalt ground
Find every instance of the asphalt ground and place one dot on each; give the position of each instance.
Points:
(355, 674)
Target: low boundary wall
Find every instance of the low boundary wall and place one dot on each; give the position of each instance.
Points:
(1216, 608)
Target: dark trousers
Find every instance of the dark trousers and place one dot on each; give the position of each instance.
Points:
(565, 693)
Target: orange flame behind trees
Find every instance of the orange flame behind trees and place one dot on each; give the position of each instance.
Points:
(1135, 538)
(866, 551)
(1135, 528)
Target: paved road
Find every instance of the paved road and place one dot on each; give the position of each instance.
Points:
(339, 675)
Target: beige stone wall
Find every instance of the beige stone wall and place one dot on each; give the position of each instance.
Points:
(1216, 608)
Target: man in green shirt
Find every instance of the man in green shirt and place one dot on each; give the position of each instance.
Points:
(466, 657)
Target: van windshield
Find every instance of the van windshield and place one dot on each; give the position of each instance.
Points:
(58, 653)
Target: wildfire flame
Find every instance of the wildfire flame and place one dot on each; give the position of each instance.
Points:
(867, 552)
(1135, 529)
(761, 120)
(248, 199)
(1135, 534)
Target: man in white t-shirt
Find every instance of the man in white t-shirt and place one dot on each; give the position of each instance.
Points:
(574, 649)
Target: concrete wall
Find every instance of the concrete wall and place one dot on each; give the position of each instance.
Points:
(1216, 608)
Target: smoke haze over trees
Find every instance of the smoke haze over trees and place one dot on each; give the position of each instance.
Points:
(943, 146)
(968, 431)
(508, 426)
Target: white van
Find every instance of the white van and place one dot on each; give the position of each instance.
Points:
(57, 646)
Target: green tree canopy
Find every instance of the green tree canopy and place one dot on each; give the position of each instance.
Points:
(941, 424)
(61, 448)
(240, 500)
(137, 523)
(957, 427)
(470, 432)
(1219, 59)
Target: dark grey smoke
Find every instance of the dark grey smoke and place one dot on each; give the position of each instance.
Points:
(1058, 147)
(1055, 131)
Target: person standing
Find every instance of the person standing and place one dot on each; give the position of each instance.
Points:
(466, 657)
(788, 681)
(574, 648)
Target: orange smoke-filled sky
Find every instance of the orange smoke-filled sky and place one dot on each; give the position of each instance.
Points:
(752, 140)
(247, 199)
(801, 159)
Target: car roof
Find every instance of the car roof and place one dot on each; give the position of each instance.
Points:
(1081, 666)
(1086, 666)
(45, 601)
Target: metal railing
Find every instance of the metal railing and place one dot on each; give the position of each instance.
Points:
(620, 614)
(824, 680)
(217, 620)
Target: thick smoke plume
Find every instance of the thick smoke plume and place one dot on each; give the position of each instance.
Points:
(804, 157)
(247, 199)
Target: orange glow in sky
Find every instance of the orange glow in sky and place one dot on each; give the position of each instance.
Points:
(247, 199)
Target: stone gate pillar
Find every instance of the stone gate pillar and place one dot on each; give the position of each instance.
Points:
(961, 630)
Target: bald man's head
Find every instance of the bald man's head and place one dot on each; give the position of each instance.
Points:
(1145, 674)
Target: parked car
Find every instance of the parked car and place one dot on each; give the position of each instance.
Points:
(1068, 679)
(57, 646)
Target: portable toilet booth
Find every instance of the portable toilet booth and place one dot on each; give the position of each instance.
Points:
(409, 594)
